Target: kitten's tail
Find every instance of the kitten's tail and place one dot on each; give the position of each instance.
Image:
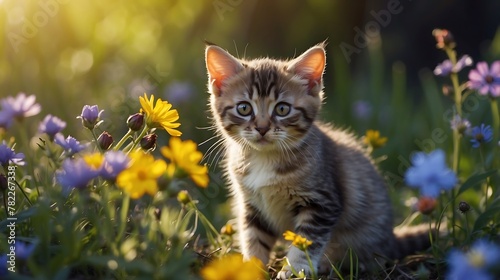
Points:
(412, 239)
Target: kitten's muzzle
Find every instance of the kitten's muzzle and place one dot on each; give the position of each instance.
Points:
(262, 130)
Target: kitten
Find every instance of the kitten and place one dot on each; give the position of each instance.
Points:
(289, 171)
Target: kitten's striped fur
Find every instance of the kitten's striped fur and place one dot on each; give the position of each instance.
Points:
(288, 171)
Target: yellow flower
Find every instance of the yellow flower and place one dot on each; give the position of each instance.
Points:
(185, 158)
(184, 197)
(372, 138)
(160, 115)
(94, 160)
(232, 267)
(228, 230)
(141, 176)
(297, 240)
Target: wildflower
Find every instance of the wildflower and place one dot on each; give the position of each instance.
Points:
(486, 80)
(90, 116)
(372, 138)
(51, 125)
(297, 240)
(70, 144)
(430, 173)
(480, 135)
(141, 175)
(464, 207)
(105, 140)
(460, 124)
(94, 160)
(75, 174)
(160, 115)
(232, 267)
(135, 122)
(474, 264)
(446, 67)
(148, 142)
(8, 155)
(18, 107)
(114, 163)
(185, 159)
(426, 205)
(443, 38)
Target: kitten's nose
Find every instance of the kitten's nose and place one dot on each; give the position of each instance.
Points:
(262, 130)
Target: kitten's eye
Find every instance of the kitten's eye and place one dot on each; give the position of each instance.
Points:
(244, 109)
(282, 109)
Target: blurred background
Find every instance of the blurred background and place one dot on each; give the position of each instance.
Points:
(381, 54)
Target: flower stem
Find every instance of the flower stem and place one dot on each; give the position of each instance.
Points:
(136, 140)
(313, 273)
(96, 142)
(124, 138)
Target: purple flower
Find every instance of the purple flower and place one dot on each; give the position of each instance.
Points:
(8, 155)
(70, 144)
(430, 174)
(76, 173)
(114, 163)
(51, 125)
(18, 107)
(446, 67)
(480, 135)
(22, 251)
(486, 80)
(90, 116)
(474, 264)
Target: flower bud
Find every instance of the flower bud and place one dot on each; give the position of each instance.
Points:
(148, 142)
(464, 207)
(426, 205)
(135, 121)
(105, 140)
(444, 39)
(90, 116)
(227, 230)
(183, 197)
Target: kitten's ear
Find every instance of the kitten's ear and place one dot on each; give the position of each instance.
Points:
(310, 65)
(220, 65)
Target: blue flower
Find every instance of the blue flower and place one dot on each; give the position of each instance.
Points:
(474, 264)
(446, 67)
(18, 107)
(8, 155)
(51, 125)
(22, 252)
(480, 135)
(70, 144)
(76, 173)
(430, 174)
(486, 80)
(90, 116)
(114, 163)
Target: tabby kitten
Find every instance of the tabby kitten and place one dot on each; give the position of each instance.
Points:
(289, 171)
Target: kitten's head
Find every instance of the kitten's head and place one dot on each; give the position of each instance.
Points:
(265, 104)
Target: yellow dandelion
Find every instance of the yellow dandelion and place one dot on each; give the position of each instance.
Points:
(185, 158)
(297, 240)
(372, 138)
(232, 267)
(141, 175)
(94, 160)
(160, 115)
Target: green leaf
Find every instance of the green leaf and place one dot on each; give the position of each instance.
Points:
(474, 180)
(488, 215)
